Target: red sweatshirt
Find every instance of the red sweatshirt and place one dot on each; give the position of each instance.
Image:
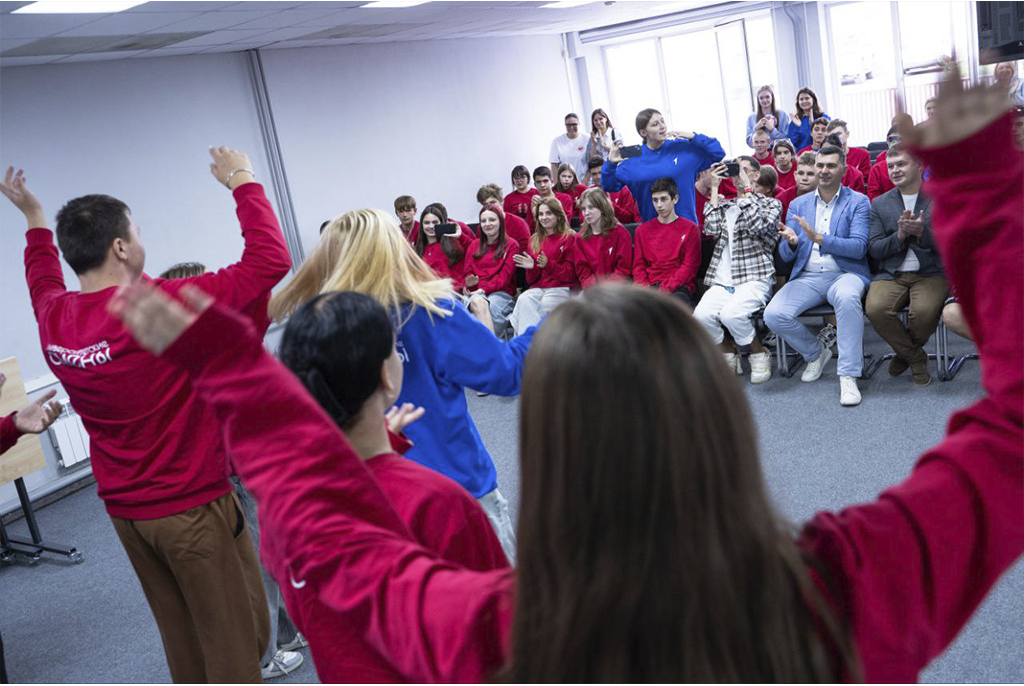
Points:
(9, 433)
(519, 204)
(607, 257)
(575, 194)
(156, 449)
(854, 180)
(861, 159)
(910, 568)
(433, 255)
(787, 180)
(785, 197)
(496, 272)
(878, 180)
(667, 254)
(413, 234)
(567, 203)
(626, 211)
(768, 160)
(518, 229)
(560, 270)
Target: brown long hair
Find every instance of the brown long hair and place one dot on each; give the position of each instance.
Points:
(599, 199)
(499, 245)
(449, 246)
(815, 107)
(648, 548)
(562, 227)
(557, 186)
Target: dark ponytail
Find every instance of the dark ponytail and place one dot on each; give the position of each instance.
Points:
(336, 344)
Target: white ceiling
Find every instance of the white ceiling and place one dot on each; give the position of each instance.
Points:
(161, 29)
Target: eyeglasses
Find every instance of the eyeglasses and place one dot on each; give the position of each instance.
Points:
(572, 126)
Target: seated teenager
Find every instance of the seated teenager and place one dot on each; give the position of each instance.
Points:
(878, 179)
(625, 207)
(806, 178)
(446, 254)
(405, 208)
(568, 184)
(763, 148)
(857, 158)
(829, 257)
(490, 272)
(515, 226)
(803, 117)
(767, 183)
(821, 605)
(548, 261)
(517, 202)
(603, 249)
(785, 163)
(818, 128)
(356, 385)
(909, 270)
(545, 189)
(742, 270)
(666, 251)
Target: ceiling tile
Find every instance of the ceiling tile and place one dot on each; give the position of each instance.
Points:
(297, 44)
(100, 56)
(219, 38)
(41, 25)
(272, 6)
(26, 61)
(181, 6)
(172, 51)
(214, 21)
(57, 46)
(290, 18)
(282, 34)
(6, 7)
(125, 24)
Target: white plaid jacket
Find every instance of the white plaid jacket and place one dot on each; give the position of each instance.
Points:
(753, 241)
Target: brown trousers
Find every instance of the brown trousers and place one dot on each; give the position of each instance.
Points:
(201, 576)
(925, 296)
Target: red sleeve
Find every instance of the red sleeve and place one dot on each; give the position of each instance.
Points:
(501, 280)
(567, 203)
(464, 534)
(400, 443)
(265, 260)
(876, 180)
(640, 275)
(9, 433)
(917, 562)
(466, 236)
(584, 273)
(687, 272)
(623, 254)
(332, 532)
(864, 163)
(42, 268)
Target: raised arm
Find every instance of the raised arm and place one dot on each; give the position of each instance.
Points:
(957, 523)
(42, 263)
(329, 530)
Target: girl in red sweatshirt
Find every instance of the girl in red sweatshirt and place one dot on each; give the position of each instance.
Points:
(826, 606)
(785, 163)
(518, 202)
(568, 183)
(604, 249)
(445, 255)
(548, 264)
(490, 271)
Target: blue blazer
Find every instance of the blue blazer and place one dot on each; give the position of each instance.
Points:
(847, 240)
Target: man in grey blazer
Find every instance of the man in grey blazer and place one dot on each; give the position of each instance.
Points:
(908, 272)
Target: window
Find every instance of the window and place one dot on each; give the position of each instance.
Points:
(632, 70)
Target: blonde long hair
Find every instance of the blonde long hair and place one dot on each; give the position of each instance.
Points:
(561, 222)
(599, 199)
(364, 251)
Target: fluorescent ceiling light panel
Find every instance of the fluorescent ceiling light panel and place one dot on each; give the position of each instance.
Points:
(78, 6)
(392, 3)
(565, 4)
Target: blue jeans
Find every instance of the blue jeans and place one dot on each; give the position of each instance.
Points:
(844, 292)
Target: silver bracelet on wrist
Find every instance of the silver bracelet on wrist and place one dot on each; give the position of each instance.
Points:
(227, 181)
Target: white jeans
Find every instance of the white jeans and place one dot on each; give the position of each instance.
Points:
(533, 304)
(719, 308)
(496, 508)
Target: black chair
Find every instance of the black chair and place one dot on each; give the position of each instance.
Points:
(875, 149)
(632, 229)
(784, 354)
(476, 228)
(947, 368)
(575, 223)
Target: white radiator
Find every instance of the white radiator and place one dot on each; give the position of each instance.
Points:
(69, 437)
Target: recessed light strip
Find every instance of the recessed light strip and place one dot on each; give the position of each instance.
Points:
(78, 6)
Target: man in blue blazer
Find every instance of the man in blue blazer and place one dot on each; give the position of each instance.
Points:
(826, 238)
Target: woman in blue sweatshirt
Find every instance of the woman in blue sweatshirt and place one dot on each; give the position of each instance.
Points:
(443, 348)
(679, 156)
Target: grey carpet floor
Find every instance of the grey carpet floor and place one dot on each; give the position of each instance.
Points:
(89, 623)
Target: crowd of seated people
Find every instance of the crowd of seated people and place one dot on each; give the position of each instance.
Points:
(411, 570)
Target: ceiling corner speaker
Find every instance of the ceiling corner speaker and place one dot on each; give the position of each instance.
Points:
(1000, 31)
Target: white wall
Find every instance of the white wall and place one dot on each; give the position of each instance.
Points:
(363, 124)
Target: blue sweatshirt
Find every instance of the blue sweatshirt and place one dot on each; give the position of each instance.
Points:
(441, 357)
(680, 160)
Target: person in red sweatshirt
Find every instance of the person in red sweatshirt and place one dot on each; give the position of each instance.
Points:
(603, 250)
(490, 271)
(405, 209)
(515, 226)
(355, 385)
(548, 261)
(852, 178)
(763, 148)
(545, 189)
(157, 452)
(785, 163)
(806, 179)
(568, 183)
(445, 254)
(878, 179)
(855, 157)
(666, 250)
(835, 609)
(518, 201)
(623, 202)
(818, 131)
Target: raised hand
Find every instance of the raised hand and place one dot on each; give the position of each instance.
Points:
(523, 260)
(399, 417)
(787, 234)
(35, 417)
(154, 318)
(231, 167)
(718, 173)
(809, 231)
(614, 154)
(17, 192)
(959, 114)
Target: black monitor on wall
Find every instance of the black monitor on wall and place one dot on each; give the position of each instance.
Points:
(1000, 31)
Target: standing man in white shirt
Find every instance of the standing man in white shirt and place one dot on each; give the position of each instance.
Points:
(570, 148)
(829, 254)
(909, 270)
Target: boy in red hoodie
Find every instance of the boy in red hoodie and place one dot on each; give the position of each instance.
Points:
(157, 451)
(666, 249)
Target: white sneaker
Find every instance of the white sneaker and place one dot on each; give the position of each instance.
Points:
(734, 361)
(283, 662)
(760, 367)
(298, 642)
(815, 367)
(849, 394)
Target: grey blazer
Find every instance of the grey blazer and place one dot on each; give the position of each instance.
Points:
(884, 246)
